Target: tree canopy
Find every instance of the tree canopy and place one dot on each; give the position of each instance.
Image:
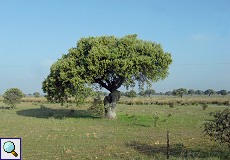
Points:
(179, 92)
(131, 93)
(191, 91)
(199, 92)
(36, 94)
(209, 92)
(149, 92)
(222, 92)
(168, 93)
(13, 96)
(108, 62)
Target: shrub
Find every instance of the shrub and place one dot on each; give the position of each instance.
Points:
(226, 103)
(36, 94)
(138, 102)
(219, 128)
(178, 101)
(155, 118)
(97, 108)
(204, 106)
(12, 96)
(219, 103)
(132, 93)
(214, 102)
(42, 107)
(194, 103)
(171, 104)
(130, 103)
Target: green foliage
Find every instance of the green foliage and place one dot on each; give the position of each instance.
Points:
(88, 132)
(64, 82)
(150, 92)
(168, 93)
(97, 107)
(122, 93)
(209, 92)
(199, 92)
(171, 104)
(222, 92)
(147, 92)
(101, 93)
(12, 96)
(109, 62)
(36, 94)
(131, 93)
(141, 93)
(179, 92)
(204, 106)
(160, 93)
(219, 128)
(191, 91)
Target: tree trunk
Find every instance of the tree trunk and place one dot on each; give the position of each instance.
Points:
(110, 104)
(111, 111)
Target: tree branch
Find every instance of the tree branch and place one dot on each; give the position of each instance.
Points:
(119, 81)
(99, 81)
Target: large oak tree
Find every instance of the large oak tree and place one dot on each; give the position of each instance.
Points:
(109, 62)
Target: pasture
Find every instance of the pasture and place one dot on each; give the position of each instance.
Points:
(50, 131)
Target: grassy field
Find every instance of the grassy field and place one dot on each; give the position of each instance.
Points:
(158, 100)
(51, 131)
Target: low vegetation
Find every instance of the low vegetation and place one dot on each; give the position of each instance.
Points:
(156, 100)
(173, 100)
(219, 128)
(139, 132)
(12, 97)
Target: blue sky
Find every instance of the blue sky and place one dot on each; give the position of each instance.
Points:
(34, 34)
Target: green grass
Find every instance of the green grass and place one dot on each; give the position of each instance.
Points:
(51, 131)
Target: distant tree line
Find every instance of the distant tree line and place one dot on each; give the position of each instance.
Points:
(150, 92)
(175, 92)
(182, 91)
(132, 93)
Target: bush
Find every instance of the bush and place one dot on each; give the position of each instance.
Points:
(132, 93)
(130, 103)
(43, 107)
(36, 94)
(219, 128)
(139, 102)
(12, 96)
(194, 103)
(171, 104)
(204, 106)
(97, 108)
(226, 103)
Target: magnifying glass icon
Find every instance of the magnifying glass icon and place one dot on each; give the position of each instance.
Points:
(9, 147)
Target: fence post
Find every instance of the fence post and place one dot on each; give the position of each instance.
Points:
(167, 144)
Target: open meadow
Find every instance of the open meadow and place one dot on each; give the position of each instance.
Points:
(51, 131)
